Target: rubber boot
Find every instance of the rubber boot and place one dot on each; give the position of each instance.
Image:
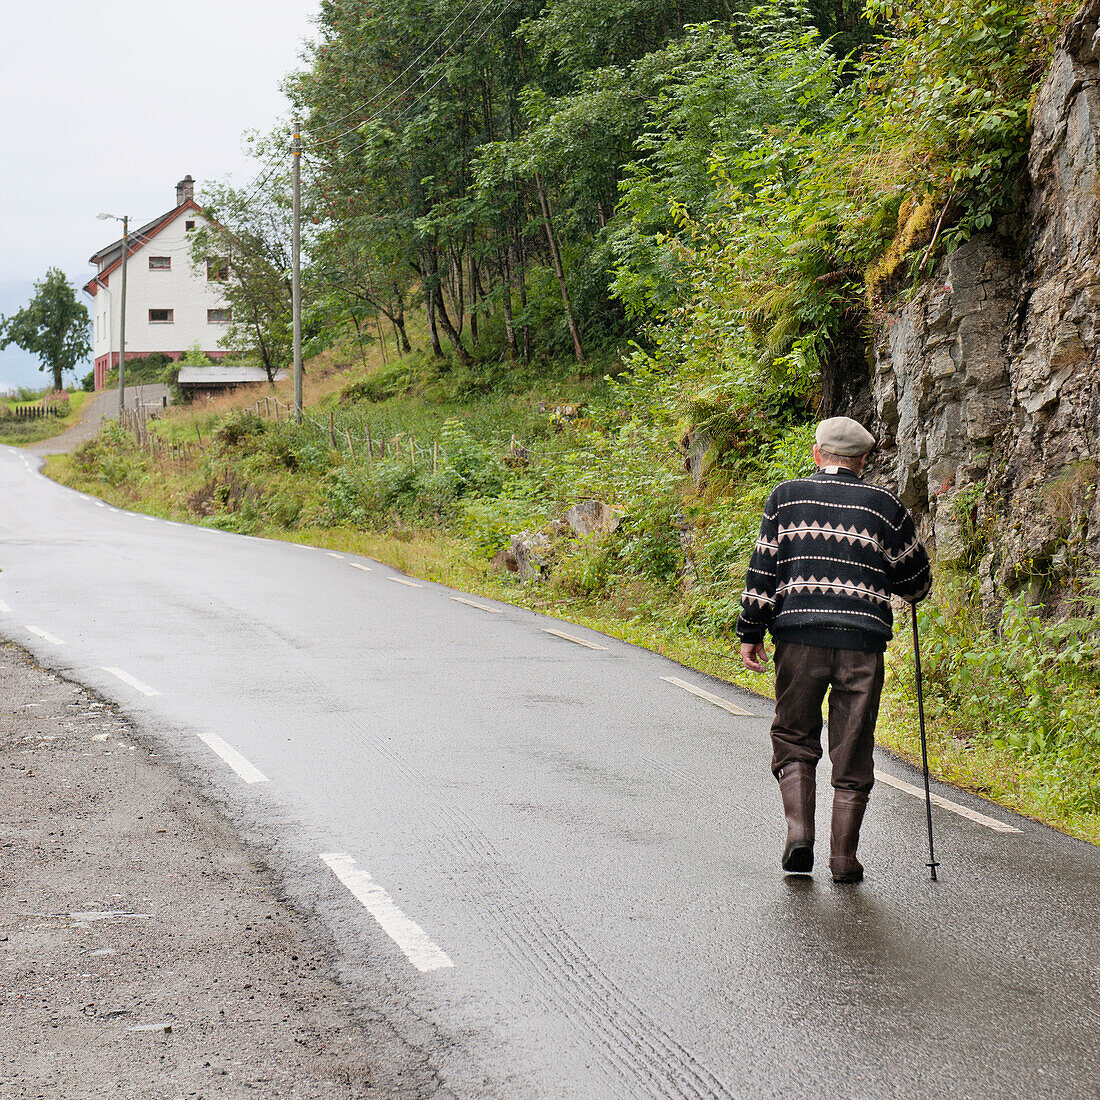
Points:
(798, 787)
(848, 809)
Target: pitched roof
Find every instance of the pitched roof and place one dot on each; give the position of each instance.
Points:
(111, 256)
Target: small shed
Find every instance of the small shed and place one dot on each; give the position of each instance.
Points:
(218, 378)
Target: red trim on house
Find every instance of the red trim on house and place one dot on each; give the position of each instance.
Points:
(104, 364)
(145, 238)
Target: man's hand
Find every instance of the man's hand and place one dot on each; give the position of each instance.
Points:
(754, 656)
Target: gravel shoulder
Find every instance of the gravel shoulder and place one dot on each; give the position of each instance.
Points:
(146, 952)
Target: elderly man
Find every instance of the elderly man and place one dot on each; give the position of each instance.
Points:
(832, 550)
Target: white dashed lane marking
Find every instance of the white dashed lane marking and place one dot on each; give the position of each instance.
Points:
(4, 609)
(248, 772)
(356, 565)
(717, 700)
(407, 934)
(946, 803)
(401, 580)
(45, 635)
(479, 606)
(338, 557)
(571, 638)
(126, 678)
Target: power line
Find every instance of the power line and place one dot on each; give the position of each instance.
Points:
(416, 61)
(378, 114)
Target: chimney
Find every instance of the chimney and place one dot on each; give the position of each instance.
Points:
(185, 190)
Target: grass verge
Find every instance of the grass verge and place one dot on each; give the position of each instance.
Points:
(18, 433)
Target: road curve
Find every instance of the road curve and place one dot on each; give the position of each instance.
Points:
(553, 866)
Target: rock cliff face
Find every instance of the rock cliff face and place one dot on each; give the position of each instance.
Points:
(987, 382)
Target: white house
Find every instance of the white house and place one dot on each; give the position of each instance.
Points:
(171, 304)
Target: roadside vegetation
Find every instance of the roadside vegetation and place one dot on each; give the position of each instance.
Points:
(630, 256)
(29, 416)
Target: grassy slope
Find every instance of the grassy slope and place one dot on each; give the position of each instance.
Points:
(640, 613)
(19, 433)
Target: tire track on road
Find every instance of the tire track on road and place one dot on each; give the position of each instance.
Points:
(574, 985)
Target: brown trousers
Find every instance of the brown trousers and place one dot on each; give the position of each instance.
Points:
(854, 681)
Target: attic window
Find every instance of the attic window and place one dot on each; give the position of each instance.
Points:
(189, 225)
(160, 316)
(217, 269)
(160, 263)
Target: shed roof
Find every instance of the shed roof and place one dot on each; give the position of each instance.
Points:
(229, 375)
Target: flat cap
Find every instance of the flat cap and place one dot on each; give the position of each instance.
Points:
(841, 435)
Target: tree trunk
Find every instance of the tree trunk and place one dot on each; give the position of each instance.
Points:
(464, 357)
(475, 296)
(521, 257)
(429, 303)
(398, 319)
(506, 303)
(359, 337)
(555, 255)
(439, 312)
(458, 292)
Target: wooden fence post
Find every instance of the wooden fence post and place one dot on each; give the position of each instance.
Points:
(351, 446)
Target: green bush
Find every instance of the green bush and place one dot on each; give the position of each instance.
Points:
(1031, 684)
(112, 458)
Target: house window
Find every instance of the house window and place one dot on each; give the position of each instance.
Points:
(160, 316)
(219, 316)
(160, 263)
(217, 268)
(189, 225)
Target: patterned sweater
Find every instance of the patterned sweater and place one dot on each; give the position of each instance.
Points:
(832, 549)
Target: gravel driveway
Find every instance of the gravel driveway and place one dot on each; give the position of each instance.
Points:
(99, 407)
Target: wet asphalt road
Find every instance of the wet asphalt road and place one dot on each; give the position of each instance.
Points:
(593, 849)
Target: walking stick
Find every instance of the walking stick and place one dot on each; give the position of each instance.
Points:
(932, 864)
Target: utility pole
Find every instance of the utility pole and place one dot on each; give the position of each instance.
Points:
(122, 321)
(296, 273)
(125, 219)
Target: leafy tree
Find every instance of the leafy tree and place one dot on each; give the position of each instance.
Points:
(248, 237)
(53, 325)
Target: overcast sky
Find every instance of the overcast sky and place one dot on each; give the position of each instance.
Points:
(90, 129)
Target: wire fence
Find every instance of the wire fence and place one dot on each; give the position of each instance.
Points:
(164, 452)
(351, 434)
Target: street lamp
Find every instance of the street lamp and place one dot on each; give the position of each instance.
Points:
(125, 219)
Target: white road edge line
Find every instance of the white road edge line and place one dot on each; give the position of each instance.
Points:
(4, 609)
(717, 700)
(338, 557)
(356, 565)
(479, 606)
(99, 504)
(45, 635)
(126, 678)
(401, 580)
(248, 772)
(571, 638)
(407, 934)
(946, 804)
